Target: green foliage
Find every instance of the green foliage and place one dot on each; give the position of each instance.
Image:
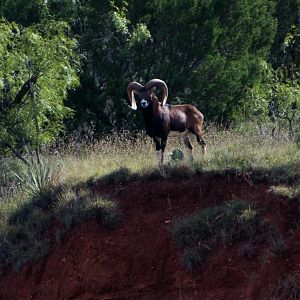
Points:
(209, 52)
(236, 219)
(25, 12)
(201, 232)
(212, 42)
(297, 139)
(177, 154)
(25, 220)
(24, 223)
(106, 212)
(233, 65)
(37, 68)
(285, 191)
(121, 175)
(73, 208)
(286, 46)
(36, 177)
(278, 96)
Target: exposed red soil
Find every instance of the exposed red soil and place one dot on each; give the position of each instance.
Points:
(139, 260)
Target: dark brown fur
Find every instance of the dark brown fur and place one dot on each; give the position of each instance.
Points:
(161, 120)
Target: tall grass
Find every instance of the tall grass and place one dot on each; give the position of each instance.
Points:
(226, 149)
(245, 150)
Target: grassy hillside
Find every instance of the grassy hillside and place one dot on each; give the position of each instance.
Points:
(58, 194)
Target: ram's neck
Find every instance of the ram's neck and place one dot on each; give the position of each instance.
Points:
(151, 115)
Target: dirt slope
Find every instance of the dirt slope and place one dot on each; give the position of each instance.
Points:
(140, 261)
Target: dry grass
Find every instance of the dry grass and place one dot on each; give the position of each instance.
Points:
(226, 150)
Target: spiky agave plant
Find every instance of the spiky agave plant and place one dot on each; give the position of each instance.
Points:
(36, 177)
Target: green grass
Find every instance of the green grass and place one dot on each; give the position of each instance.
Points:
(289, 192)
(199, 234)
(26, 218)
(247, 153)
(261, 159)
(73, 207)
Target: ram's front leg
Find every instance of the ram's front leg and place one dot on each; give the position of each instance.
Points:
(159, 152)
(160, 144)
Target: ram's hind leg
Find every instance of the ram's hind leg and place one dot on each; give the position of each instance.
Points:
(201, 143)
(197, 131)
(186, 141)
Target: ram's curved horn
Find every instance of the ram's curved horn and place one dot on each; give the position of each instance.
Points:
(133, 88)
(159, 84)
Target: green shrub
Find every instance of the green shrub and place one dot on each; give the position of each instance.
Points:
(235, 219)
(24, 225)
(283, 190)
(177, 154)
(36, 177)
(120, 175)
(106, 212)
(73, 208)
(199, 233)
(297, 139)
(194, 257)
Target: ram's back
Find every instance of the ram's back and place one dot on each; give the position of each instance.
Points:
(184, 117)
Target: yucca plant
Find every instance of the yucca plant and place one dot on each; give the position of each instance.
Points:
(36, 177)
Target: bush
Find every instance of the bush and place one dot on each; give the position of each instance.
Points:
(72, 208)
(283, 190)
(24, 225)
(36, 177)
(200, 233)
(118, 176)
(106, 212)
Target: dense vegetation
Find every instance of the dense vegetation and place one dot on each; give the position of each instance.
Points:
(236, 61)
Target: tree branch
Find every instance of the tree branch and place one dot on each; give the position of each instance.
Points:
(16, 153)
(24, 89)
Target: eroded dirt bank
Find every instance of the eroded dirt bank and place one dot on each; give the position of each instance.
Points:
(139, 260)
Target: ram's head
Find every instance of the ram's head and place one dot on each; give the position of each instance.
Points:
(145, 92)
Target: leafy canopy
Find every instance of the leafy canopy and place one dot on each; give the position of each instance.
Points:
(38, 65)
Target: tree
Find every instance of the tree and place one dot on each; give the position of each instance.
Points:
(108, 45)
(37, 68)
(246, 32)
(286, 47)
(275, 98)
(207, 51)
(25, 12)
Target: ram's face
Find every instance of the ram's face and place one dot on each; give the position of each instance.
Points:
(145, 97)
